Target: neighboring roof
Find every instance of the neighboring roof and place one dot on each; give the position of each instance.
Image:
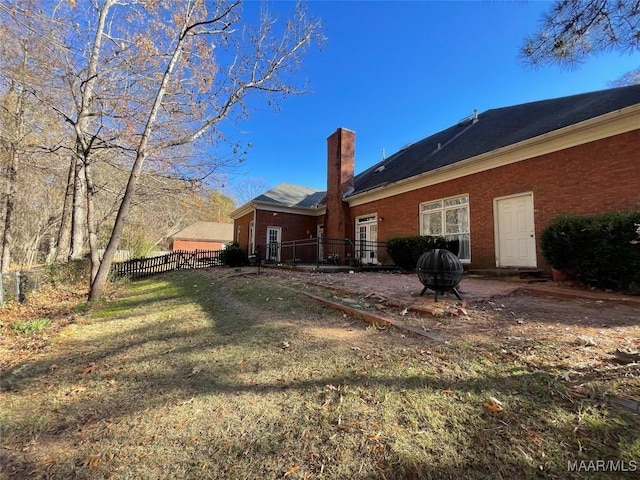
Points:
(290, 195)
(491, 130)
(206, 231)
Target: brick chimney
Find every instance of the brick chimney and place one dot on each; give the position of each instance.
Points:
(340, 167)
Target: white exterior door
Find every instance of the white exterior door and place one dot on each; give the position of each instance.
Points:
(367, 239)
(515, 233)
(274, 238)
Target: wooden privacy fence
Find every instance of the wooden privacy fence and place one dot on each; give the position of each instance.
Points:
(178, 260)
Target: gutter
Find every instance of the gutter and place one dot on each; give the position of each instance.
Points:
(618, 121)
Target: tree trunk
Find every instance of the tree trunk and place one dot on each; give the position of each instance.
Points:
(12, 174)
(83, 144)
(102, 275)
(100, 281)
(5, 262)
(78, 212)
(91, 222)
(32, 253)
(63, 240)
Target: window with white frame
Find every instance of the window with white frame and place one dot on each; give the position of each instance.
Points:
(251, 238)
(449, 218)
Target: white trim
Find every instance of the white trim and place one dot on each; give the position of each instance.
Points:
(242, 210)
(368, 221)
(608, 125)
(312, 212)
(252, 237)
(444, 227)
(279, 242)
(249, 207)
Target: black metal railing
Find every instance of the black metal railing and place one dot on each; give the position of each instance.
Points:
(325, 251)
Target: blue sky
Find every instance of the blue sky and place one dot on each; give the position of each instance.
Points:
(396, 72)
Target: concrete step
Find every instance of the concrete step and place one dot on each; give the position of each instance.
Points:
(526, 274)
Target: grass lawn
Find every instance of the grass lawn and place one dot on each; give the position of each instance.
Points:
(209, 374)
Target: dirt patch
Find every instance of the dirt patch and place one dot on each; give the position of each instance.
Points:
(586, 333)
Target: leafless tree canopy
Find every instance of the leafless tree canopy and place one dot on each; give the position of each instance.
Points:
(574, 29)
(247, 189)
(123, 100)
(629, 78)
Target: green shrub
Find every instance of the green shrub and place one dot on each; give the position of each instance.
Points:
(597, 250)
(405, 251)
(234, 256)
(69, 273)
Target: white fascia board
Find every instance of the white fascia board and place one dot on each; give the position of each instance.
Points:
(242, 210)
(314, 212)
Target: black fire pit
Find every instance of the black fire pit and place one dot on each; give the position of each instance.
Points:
(440, 270)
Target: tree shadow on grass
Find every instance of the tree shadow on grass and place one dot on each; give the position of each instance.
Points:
(167, 362)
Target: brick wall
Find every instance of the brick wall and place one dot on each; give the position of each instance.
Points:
(243, 224)
(597, 177)
(340, 167)
(294, 226)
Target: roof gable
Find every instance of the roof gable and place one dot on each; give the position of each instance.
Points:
(290, 195)
(492, 130)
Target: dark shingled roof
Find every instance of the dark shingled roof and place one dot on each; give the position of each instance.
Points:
(494, 129)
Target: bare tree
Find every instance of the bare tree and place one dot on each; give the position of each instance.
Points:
(10, 140)
(63, 238)
(572, 30)
(197, 105)
(629, 78)
(26, 134)
(147, 84)
(249, 188)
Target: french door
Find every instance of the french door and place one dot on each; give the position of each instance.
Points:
(274, 239)
(367, 239)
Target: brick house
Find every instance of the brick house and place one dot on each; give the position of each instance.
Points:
(203, 236)
(493, 181)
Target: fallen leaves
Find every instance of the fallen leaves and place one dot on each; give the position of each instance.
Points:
(585, 341)
(493, 405)
(89, 369)
(92, 461)
(46, 463)
(292, 470)
(626, 356)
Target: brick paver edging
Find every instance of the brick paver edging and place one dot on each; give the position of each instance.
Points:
(373, 318)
